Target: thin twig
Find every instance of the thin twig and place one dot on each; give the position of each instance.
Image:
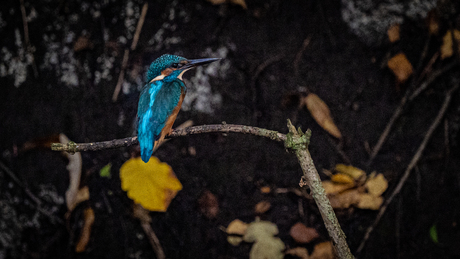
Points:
(124, 64)
(299, 55)
(411, 166)
(140, 23)
(38, 202)
(28, 47)
(153, 239)
(125, 142)
(407, 97)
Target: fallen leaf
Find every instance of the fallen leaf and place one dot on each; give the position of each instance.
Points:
(321, 113)
(265, 189)
(237, 227)
(352, 171)
(105, 171)
(88, 215)
(262, 207)
(342, 179)
(393, 32)
(401, 67)
(345, 199)
(241, 3)
(376, 184)
(303, 234)
(332, 188)
(369, 201)
(300, 252)
(447, 48)
(82, 43)
(234, 240)
(266, 246)
(152, 184)
(74, 168)
(432, 21)
(323, 251)
(260, 229)
(434, 234)
(208, 204)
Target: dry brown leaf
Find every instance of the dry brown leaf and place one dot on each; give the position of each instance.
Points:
(241, 3)
(352, 171)
(332, 188)
(74, 168)
(432, 21)
(303, 234)
(376, 184)
(393, 32)
(85, 231)
(342, 179)
(323, 251)
(369, 201)
(322, 115)
(265, 189)
(262, 207)
(82, 43)
(237, 227)
(401, 67)
(345, 199)
(208, 204)
(300, 252)
(447, 48)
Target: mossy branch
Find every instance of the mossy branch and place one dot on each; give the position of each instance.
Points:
(295, 140)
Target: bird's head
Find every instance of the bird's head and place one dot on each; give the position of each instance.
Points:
(173, 66)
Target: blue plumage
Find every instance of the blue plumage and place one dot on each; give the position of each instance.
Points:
(161, 98)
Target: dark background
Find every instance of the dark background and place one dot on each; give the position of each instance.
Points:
(62, 81)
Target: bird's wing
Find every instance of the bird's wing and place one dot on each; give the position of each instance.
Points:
(156, 104)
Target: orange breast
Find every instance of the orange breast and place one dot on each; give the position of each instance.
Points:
(170, 121)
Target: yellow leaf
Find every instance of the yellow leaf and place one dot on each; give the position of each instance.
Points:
(447, 48)
(342, 178)
(393, 33)
(332, 188)
(352, 171)
(369, 201)
(152, 184)
(376, 184)
(321, 113)
(401, 67)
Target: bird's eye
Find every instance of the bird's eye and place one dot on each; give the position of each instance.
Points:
(175, 65)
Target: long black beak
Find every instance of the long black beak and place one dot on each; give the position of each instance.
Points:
(198, 62)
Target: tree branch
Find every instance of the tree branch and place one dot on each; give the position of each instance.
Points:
(73, 147)
(297, 141)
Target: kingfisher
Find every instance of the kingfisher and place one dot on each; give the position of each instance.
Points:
(161, 99)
